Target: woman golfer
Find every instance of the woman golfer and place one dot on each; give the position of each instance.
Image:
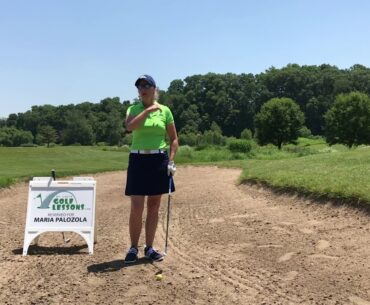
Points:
(150, 167)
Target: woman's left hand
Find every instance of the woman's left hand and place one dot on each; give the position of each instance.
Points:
(171, 168)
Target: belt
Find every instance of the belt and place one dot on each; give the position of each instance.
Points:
(148, 151)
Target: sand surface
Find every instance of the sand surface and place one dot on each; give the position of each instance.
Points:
(228, 244)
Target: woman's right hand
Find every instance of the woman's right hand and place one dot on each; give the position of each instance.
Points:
(153, 108)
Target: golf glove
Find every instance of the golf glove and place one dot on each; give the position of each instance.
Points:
(171, 168)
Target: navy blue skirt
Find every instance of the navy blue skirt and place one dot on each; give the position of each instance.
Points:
(147, 175)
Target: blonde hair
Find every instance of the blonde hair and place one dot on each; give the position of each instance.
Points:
(156, 94)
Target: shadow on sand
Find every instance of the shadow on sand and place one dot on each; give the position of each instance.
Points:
(115, 265)
(40, 250)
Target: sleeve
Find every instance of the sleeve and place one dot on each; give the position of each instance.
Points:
(169, 116)
(133, 110)
(129, 111)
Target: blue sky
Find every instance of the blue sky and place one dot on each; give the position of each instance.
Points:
(71, 51)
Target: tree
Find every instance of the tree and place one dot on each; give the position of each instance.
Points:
(114, 130)
(279, 122)
(360, 78)
(176, 87)
(107, 122)
(78, 130)
(230, 100)
(226, 99)
(38, 116)
(12, 120)
(46, 134)
(2, 122)
(314, 115)
(189, 119)
(348, 120)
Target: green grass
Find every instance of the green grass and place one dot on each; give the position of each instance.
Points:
(310, 167)
(22, 163)
(340, 174)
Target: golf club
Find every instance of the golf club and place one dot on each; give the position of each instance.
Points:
(66, 241)
(168, 213)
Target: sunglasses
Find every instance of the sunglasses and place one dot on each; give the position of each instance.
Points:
(146, 86)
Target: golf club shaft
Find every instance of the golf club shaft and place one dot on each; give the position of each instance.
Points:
(168, 212)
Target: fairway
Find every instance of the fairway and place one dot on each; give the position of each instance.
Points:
(23, 163)
(228, 244)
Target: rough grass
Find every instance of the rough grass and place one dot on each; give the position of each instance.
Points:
(339, 174)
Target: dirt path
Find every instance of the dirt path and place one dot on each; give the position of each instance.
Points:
(228, 245)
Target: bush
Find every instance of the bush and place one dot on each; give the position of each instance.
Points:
(246, 134)
(208, 138)
(127, 139)
(188, 139)
(214, 138)
(10, 136)
(242, 146)
(304, 132)
(185, 151)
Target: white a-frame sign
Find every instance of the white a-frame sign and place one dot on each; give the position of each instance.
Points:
(60, 206)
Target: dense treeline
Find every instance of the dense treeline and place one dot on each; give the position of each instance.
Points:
(225, 102)
(86, 123)
(232, 100)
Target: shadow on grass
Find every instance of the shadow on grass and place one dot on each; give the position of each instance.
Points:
(40, 250)
(115, 265)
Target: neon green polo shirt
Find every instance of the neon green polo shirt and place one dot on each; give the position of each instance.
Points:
(151, 134)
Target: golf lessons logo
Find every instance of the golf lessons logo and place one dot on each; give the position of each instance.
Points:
(60, 201)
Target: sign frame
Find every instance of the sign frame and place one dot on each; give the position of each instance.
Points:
(62, 197)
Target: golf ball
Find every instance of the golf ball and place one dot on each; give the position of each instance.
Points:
(158, 277)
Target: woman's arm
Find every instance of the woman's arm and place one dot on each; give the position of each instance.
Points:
(174, 142)
(133, 122)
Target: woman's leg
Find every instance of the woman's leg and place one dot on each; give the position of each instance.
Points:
(154, 203)
(136, 214)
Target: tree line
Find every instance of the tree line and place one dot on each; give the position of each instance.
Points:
(85, 123)
(225, 103)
